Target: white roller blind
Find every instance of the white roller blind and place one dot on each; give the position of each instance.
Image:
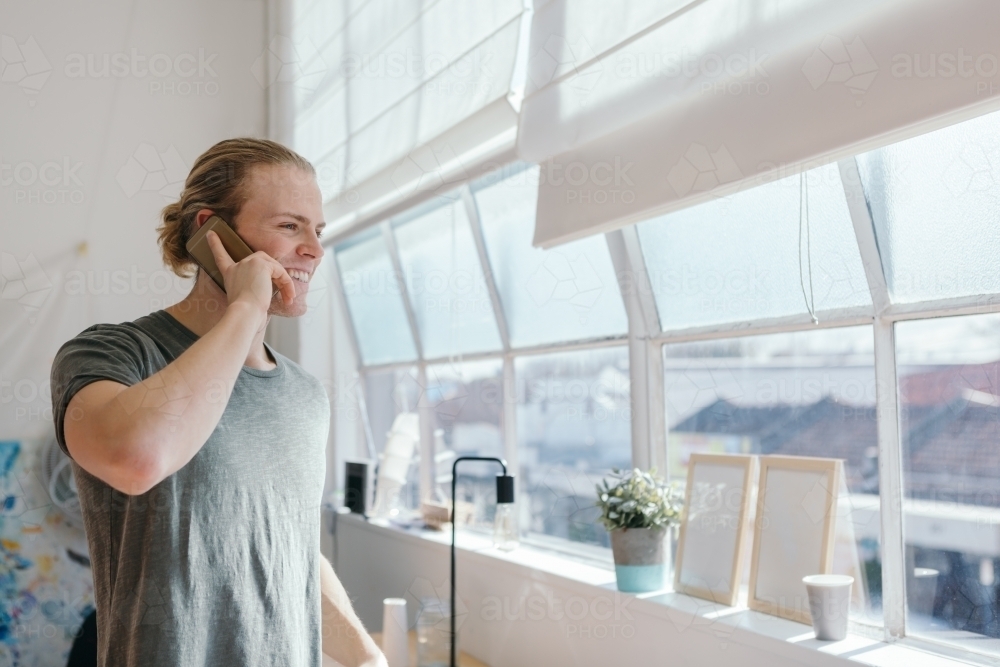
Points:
(393, 99)
(640, 108)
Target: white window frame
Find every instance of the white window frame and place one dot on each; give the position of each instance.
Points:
(645, 340)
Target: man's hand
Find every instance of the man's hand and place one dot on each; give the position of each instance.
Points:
(251, 278)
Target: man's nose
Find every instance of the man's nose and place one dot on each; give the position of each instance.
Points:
(315, 248)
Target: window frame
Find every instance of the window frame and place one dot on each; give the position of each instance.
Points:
(645, 340)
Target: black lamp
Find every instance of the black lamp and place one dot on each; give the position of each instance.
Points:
(504, 529)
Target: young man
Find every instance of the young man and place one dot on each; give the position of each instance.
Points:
(199, 451)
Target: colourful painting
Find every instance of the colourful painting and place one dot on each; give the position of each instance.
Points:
(46, 588)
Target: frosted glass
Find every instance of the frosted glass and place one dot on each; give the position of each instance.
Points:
(935, 202)
(445, 283)
(374, 299)
(566, 293)
(737, 258)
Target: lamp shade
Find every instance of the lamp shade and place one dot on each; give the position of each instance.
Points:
(505, 489)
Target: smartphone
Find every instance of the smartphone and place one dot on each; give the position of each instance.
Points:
(201, 252)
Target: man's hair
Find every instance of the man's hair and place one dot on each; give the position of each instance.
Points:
(217, 182)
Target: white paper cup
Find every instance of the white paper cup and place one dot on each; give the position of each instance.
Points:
(395, 643)
(829, 604)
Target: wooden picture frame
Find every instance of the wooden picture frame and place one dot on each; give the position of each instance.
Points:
(796, 504)
(711, 549)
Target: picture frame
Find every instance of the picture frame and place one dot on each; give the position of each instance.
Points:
(715, 527)
(793, 532)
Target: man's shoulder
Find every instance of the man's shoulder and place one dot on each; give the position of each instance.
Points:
(144, 345)
(297, 372)
(128, 334)
(104, 332)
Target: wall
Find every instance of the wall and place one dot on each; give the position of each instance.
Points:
(511, 615)
(89, 154)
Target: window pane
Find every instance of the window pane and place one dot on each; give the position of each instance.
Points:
(935, 202)
(574, 425)
(374, 299)
(950, 405)
(467, 401)
(389, 394)
(445, 283)
(809, 393)
(567, 293)
(739, 258)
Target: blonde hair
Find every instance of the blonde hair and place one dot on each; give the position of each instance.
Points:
(217, 182)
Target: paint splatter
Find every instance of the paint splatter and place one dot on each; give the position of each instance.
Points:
(9, 449)
(44, 594)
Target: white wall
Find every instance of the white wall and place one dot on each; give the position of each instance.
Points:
(95, 124)
(375, 563)
(67, 141)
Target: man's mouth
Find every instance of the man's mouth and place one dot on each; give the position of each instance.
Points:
(301, 276)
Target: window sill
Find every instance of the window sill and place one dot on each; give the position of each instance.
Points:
(737, 626)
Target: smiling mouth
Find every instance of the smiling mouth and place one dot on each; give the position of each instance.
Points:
(299, 276)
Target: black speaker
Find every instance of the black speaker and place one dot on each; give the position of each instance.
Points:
(357, 486)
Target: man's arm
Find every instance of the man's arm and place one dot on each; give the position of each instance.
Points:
(119, 435)
(134, 437)
(344, 637)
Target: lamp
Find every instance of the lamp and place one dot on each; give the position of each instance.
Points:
(504, 525)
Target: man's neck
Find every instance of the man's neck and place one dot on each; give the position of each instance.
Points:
(202, 309)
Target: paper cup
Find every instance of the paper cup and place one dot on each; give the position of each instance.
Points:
(829, 604)
(395, 643)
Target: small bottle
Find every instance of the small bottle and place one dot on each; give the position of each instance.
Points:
(505, 533)
(433, 633)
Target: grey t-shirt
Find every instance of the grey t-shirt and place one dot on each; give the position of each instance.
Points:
(218, 564)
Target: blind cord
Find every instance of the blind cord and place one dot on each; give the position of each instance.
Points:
(804, 222)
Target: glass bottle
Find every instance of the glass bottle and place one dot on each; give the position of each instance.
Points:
(433, 633)
(505, 533)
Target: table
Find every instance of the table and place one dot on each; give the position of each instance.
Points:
(464, 659)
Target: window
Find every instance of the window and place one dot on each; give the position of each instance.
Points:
(935, 202)
(950, 428)
(756, 378)
(809, 393)
(445, 282)
(751, 256)
(389, 394)
(466, 400)
(374, 298)
(574, 425)
(563, 294)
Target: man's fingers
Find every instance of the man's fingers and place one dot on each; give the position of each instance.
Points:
(284, 283)
(222, 258)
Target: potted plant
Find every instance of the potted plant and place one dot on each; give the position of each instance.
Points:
(639, 510)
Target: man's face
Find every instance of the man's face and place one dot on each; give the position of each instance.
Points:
(283, 216)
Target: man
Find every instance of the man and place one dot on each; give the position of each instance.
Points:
(199, 451)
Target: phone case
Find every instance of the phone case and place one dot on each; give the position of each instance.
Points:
(201, 252)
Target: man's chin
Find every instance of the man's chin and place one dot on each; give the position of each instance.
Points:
(296, 309)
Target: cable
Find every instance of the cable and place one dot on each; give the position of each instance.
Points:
(810, 301)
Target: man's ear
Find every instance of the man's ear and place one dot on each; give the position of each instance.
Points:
(201, 217)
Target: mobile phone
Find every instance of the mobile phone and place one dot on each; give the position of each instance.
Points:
(201, 252)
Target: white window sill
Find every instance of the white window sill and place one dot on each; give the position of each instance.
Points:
(738, 626)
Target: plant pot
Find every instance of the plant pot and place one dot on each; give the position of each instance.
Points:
(642, 558)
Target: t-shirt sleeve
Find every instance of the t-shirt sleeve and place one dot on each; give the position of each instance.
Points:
(102, 352)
